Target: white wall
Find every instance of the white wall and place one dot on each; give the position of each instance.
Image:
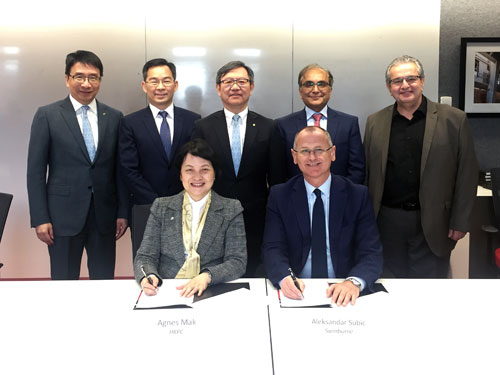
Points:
(355, 39)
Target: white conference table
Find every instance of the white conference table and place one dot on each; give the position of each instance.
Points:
(81, 327)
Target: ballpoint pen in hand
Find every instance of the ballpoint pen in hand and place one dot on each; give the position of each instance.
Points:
(150, 280)
(295, 281)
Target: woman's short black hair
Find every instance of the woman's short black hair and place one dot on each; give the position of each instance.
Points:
(197, 147)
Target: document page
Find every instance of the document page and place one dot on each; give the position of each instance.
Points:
(167, 296)
(314, 295)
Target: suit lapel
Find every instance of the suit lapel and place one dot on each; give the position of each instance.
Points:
(338, 199)
(69, 116)
(213, 223)
(102, 128)
(300, 121)
(150, 126)
(298, 200)
(220, 129)
(332, 124)
(251, 131)
(430, 127)
(383, 134)
(172, 225)
(178, 130)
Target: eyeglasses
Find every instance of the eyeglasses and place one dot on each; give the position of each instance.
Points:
(409, 80)
(310, 84)
(156, 82)
(80, 78)
(317, 151)
(230, 82)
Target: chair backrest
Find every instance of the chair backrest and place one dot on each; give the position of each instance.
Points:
(140, 215)
(5, 200)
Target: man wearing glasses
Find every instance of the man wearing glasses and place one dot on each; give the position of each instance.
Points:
(241, 140)
(79, 203)
(422, 175)
(320, 225)
(315, 89)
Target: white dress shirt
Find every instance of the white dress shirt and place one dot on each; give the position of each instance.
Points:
(159, 119)
(323, 123)
(229, 118)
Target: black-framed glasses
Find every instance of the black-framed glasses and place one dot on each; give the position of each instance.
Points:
(311, 84)
(409, 80)
(81, 78)
(239, 81)
(156, 82)
(317, 151)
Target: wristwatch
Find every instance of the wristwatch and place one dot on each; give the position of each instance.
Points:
(354, 281)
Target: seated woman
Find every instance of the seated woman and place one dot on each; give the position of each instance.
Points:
(196, 234)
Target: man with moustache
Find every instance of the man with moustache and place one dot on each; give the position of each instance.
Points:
(315, 89)
(422, 175)
(75, 193)
(241, 140)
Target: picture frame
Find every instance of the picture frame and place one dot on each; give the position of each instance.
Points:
(480, 77)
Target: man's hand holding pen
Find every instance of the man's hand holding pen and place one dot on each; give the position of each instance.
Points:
(292, 289)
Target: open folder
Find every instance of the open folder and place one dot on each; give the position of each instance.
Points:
(168, 297)
(315, 295)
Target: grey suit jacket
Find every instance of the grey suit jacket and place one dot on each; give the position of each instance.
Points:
(448, 174)
(63, 197)
(222, 246)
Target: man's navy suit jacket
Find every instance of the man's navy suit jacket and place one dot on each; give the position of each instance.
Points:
(344, 131)
(354, 239)
(146, 170)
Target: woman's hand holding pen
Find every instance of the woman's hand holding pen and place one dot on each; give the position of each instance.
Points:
(197, 284)
(149, 285)
(290, 290)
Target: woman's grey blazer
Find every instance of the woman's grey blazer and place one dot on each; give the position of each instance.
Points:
(222, 247)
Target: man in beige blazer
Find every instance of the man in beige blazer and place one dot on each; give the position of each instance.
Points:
(421, 173)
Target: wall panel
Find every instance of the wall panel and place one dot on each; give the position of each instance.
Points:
(277, 38)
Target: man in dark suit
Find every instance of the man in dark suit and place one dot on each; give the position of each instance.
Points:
(315, 88)
(149, 144)
(321, 225)
(422, 174)
(80, 203)
(241, 140)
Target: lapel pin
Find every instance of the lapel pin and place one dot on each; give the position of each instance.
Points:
(253, 124)
(104, 113)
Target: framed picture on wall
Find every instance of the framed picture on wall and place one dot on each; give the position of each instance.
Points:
(480, 77)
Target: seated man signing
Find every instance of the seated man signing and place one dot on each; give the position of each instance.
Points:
(332, 237)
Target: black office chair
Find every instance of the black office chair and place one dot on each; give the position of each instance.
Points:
(140, 215)
(493, 229)
(5, 201)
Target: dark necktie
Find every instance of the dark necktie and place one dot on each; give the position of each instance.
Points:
(318, 243)
(165, 134)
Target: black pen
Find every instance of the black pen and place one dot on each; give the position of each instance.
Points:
(150, 280)
(295, 281)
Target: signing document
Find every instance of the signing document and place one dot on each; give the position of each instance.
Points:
(315, 295)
